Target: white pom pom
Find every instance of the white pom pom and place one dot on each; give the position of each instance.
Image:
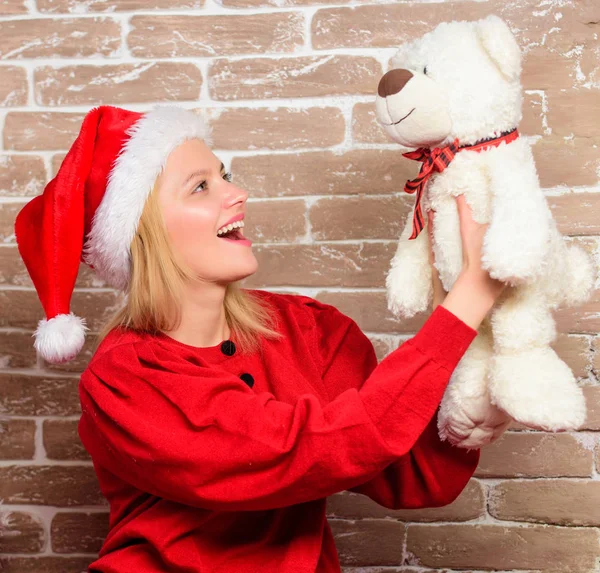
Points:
(60, 338)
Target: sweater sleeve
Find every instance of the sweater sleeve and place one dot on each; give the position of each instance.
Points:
(433, 472)
(200, 436)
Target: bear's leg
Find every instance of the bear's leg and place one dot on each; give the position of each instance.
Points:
(527, 378)
(467, 418)
(409, 279)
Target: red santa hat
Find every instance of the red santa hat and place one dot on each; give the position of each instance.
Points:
(91, 209)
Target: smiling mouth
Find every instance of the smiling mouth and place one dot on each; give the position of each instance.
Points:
(397, 122)
(234, 234)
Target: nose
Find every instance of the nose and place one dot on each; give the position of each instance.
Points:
(392, 82)
(235, 195)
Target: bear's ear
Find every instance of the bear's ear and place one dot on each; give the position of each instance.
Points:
(500, 44)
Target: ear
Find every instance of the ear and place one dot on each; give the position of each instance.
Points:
(500, 44)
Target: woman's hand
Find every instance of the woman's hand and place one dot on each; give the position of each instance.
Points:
(439, 294)
(474, 293)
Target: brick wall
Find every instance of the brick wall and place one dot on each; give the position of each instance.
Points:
(289, 88)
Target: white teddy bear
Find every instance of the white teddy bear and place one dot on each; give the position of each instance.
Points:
(455, 93)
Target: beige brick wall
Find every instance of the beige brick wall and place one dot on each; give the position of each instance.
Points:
(288, 85)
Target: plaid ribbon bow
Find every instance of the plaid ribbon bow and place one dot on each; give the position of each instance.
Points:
(437, 159)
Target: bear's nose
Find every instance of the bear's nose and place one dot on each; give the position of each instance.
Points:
(393, 81)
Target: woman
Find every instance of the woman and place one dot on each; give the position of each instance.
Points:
(219, 419)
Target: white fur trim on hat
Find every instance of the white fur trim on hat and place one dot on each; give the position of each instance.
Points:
(153, 137)
(60, 338)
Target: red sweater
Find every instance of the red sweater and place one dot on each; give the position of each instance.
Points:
(218, 462)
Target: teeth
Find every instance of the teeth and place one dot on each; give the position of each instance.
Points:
(227, 228)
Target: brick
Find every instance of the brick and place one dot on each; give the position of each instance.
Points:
(33, 131)
(533, 115)
(574, 350)
(575, 213)
(284, 128)
(60, 38)
(345, 265)
(387, 570)
(16, 350)
(22, 309)
(382, 345)
(359, 171)
(11, 7)
(275, 221)
(62, 442)
(387, 25)
(549, 549)
(8, 212)
(583, 319)
(365, 126)
(18, 439)
(87, 278)
(13, 85)
(78, 532)
(355, 541)
(21, 175)
(304, 76)
(62, 6)
(21, 532)
(589, 65)
(545, 69)
(369, 310)
(117, 84)
(470, 504)
(569, 162)
(44, 564)
(535, 454)
(336, 219)
(596, 358)
(390, 25)
(57, 160)
(63, 486)
(234, 128)
(210, 36)
(592, 398)
(274, 3)
(574, 112)
(561, 502)
(565, 28)
(22, 395)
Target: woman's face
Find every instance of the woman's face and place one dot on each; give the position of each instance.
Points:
(197, 199)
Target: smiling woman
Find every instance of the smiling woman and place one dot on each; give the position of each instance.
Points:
(179, 251)
(219, 419)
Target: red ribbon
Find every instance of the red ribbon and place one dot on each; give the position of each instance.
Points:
(438, 159)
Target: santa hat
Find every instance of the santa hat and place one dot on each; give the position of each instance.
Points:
(91, 209)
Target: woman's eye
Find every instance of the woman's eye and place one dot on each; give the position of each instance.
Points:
(201, 185)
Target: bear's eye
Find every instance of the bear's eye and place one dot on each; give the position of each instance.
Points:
(425, 70)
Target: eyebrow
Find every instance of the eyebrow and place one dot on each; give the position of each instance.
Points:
(199, 172)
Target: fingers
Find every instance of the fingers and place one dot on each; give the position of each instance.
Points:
(430, 215)
(430, 221)
(464, 209)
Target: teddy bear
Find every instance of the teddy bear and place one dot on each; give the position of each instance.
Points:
(454, 97)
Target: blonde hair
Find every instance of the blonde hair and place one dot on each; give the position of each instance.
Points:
(156, 282)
